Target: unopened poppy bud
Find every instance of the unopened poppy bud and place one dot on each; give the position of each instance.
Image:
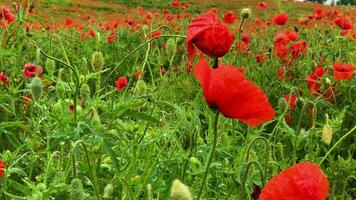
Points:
(180, 191)
(36, 88)
(76, 190)
(194, 161)
(145, 28)
(60, 89)
(50, 65)
(328, 81)
(171, 46)
(108, 191)
(327, 134)
(245, 13)
(85, 92)
(97, 61)
(141, 87)
(96, 122)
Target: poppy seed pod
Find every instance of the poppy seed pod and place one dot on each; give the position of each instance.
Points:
(180, 191)
(36, 88)
(50, 65)
(245, 13)
(97, 61)
(209, 35)
(76, 190)
(108, 191)
(171, 46)
(96, 121)
(60, 89)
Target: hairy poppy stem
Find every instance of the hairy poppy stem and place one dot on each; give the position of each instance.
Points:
(215, 63)
(212, 152)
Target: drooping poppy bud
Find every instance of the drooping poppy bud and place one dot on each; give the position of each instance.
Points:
(36, 88)
(96, 121)
(97, 61)
(76, 190)
(171, 46)
(327, 134)
(209, 35)
(108, 191)
(85, 92)
(179, 191)
(227, 90)
(301, 181)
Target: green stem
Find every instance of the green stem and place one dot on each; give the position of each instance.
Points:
(336, 144)
(212, 153)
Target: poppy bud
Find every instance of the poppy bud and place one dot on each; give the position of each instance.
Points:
(194, 161)
(245, 13)
(141, 87)
(76, 190)
(328, 81)
(36, 88)
(108, 191)
(180, 191)
(327, 134)
(60, 89)
(85, 92)
(97, 61)
(50, 65)
(171, 46)
(96, 122)
(180, 41)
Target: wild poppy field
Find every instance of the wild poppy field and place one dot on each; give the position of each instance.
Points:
(177, 100)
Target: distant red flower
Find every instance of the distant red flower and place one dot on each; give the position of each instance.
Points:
(260, 58)
(83, 35)
(284, 74)
(92, 33)
(175, 3)
(262, 5)
(343, 22)
(138, 74)
(155, 34)
(343, 71)
(227, 90)
(292, 35)
(280, 19)
(318, 13)
(6, 14)
(121, 83)
(209, 35)
(246, 38)
(304, 181)
(69, 22)
(2, 168)
(111, 38)
(298, 48)
(3, 78)
(230, 17)
(30, 70)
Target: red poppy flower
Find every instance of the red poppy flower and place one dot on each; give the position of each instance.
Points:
(2, 168)
(227, 90)
(30, 70)
(292, 35)
(262, 5)
(92, 33)
(111, 38)
(280, 19)
(121, 83)
(209, 35)
(304, 181)
(69, 22)
(5, 13)
(343, 71)
(291, 99)
(175, 3)
(3, 78)
(298, 48)
(260, 58)
(230, 17)
(343, 22)
(83, 35)
(138, 74)
(318, 13)
(246, 38)
(155, 34)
